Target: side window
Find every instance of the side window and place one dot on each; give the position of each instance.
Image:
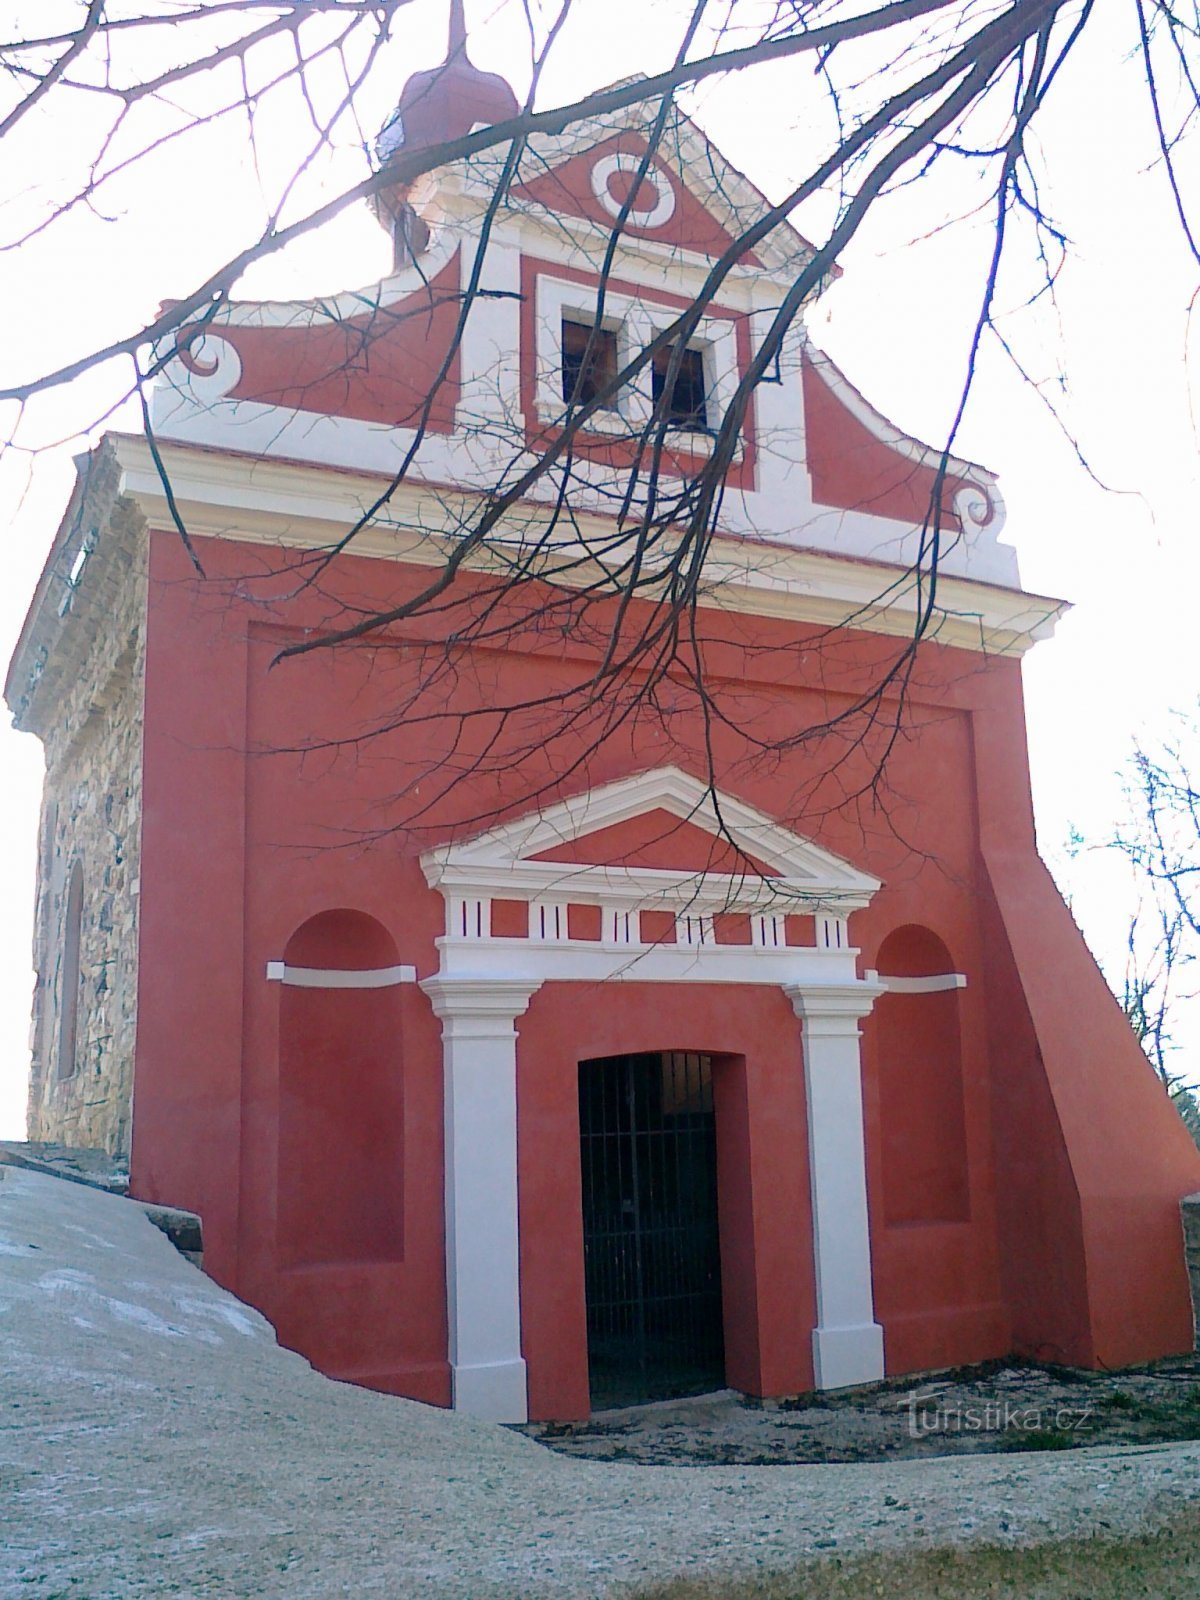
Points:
(686, 406)
(589, 361)
(68, 994)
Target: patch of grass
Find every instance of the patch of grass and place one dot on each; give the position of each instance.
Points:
(1164, 1565)
(1173, 1416)
(1120, 1400)
(1043, 1439)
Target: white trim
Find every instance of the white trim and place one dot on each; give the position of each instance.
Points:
(338, 978)
(306, 504)
(498, 864)
(846, 1356)
(806, 873)
(982, 480)
(651, 216)
(331, 310)
(700, 167)
(547, 920)
(484, 982)
(694, 931)
(768, 930)
(931, 985)
(833, 933)
(603, 961)
(635, 321)
(483, 1272)
(643, 887)
(561, 298)
(847, 1341)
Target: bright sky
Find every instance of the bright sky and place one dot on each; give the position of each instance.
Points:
(1126, 556)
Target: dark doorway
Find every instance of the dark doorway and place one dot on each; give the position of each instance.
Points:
(652, 1264)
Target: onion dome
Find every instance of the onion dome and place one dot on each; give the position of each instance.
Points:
(447, 101)
(435, 106)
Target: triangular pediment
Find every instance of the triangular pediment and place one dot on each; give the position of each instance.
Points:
(595, 183)
(618, 839)
(659, 840)
(578, 175)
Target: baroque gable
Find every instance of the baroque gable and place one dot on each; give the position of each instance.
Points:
(361, 382)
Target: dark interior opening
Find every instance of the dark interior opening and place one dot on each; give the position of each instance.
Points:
(587, 372)
(686, 406)
(652, 1263)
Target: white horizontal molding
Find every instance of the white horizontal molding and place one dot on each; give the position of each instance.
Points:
(645, 889)
(339, 978)
(237, 494)
(648, 263)
(935, 984)
(532, 962)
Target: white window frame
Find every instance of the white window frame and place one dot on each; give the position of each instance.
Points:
(606, 419)
(636, 323)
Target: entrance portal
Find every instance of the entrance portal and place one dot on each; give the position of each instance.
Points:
(652, 1264)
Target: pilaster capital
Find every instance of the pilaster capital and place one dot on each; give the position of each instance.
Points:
(832, 1010)
(478, 1008)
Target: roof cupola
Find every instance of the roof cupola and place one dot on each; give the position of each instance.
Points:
(441, 104)
(447, 101)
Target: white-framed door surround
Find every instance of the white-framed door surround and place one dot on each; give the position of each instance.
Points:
(485, 982)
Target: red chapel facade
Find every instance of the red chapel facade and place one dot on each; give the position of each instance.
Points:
(519, 1070)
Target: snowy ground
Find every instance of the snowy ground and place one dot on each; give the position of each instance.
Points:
(155, 1440)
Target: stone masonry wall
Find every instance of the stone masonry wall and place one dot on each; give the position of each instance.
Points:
(91, 813)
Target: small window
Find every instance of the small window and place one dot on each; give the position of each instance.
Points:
(687, 404)
(589, 362)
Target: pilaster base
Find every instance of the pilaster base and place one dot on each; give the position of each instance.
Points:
(845, 1356)
(494, 1393)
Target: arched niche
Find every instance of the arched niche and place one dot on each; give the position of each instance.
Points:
(341, 1100)
(919, 1064)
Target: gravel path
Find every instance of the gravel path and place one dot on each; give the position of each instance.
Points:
(993, 1407)
(155, 1440)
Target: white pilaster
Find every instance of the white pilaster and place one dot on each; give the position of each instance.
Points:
(490, 340)
(847, 1341)
(479, 1055)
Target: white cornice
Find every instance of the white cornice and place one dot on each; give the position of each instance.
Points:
(221, 494)
(666, 789)
(501, 864)
(641, 889)
(69, 613)
(577, 242)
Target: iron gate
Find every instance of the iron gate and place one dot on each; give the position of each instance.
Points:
(652, 1265)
